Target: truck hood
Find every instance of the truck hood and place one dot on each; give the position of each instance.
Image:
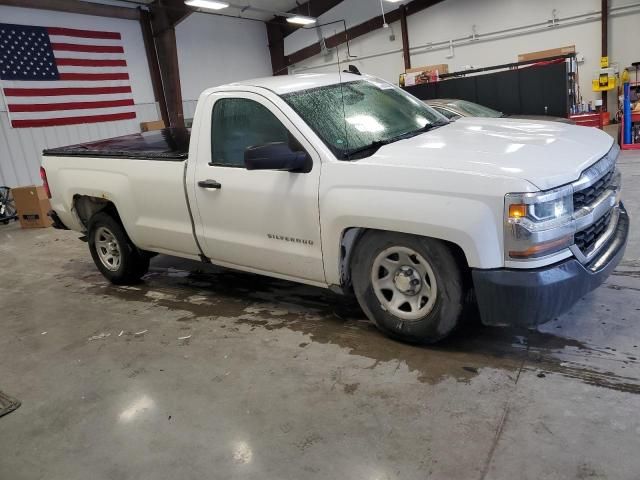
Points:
(546, 154)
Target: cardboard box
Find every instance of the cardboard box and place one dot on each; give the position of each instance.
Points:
(32, 205)
(441, 67)
(151, 126)
(554, 52)
(426, 74)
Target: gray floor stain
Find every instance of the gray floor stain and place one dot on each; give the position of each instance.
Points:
(260, 302)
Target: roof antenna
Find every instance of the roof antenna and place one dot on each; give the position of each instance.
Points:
(353, 69)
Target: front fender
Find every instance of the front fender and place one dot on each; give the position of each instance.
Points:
(474, 224)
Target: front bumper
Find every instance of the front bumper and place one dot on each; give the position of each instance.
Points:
(526, 298)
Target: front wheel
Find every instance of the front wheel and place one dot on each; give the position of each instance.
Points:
(114, 254)
(410, 287)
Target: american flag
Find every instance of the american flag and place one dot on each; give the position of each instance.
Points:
(63, 76)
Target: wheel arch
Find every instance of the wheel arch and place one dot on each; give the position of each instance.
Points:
(350, 237)
(86, 206)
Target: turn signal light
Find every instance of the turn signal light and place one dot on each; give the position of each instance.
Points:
(542, 249)
(517, 210)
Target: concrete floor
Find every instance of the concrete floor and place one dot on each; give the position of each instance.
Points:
(282, 381)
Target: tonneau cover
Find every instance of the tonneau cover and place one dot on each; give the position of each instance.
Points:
(165, 144)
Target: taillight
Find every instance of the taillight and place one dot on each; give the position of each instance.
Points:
(45, 183)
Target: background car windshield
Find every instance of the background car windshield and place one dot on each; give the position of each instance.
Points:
(475, 110)
(370, 112)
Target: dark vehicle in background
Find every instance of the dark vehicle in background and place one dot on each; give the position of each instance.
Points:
(453, 109)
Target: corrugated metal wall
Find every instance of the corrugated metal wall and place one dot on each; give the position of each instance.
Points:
(21, 148)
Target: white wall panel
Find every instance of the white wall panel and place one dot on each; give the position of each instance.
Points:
(20, 149)
(214, 50)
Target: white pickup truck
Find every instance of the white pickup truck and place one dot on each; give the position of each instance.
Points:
(349, 183)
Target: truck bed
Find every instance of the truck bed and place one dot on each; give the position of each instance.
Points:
(170, 144)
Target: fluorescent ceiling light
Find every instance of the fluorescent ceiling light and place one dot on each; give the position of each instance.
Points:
(207, 4)
(301, 20)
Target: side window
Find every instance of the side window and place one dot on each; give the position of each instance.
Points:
(239, 123)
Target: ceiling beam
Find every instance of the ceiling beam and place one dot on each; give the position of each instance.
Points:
(170, 12)
(275, 37)
(363, 28)
(76, 6)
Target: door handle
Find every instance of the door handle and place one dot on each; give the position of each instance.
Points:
(209, 184)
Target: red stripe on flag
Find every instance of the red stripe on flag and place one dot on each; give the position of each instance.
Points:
(94, 76)
(53, 92)
(72, 32)
(52, 107)
(81, 62)
(52, 122)
(74, 47)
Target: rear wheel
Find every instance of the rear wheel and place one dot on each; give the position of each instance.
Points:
(114, 254)
(410, 287)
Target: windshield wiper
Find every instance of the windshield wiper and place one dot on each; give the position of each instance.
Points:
(426, 128)
(375, 145)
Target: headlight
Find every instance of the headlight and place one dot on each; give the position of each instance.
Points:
(538, 224)
(553, 209)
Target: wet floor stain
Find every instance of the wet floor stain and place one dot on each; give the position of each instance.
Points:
(206, 293)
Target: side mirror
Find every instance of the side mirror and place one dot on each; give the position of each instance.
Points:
(276, 156)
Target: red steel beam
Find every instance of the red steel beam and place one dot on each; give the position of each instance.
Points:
(165, 15)
(363, 28)
(76, 6)
(405, 38)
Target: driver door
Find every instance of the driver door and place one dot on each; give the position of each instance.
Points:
(265, 221)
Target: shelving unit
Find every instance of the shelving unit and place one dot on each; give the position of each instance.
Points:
(634, 85)
(635, 118)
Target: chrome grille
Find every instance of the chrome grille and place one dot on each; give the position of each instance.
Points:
(586, 196)
(585, 239)
(595, 198)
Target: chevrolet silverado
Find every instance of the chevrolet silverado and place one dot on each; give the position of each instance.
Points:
(347, 182)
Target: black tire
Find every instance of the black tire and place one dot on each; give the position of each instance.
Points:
(441, 316)
(132, 263)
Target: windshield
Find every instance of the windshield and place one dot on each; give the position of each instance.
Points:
(475, 110)
(373, 113)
